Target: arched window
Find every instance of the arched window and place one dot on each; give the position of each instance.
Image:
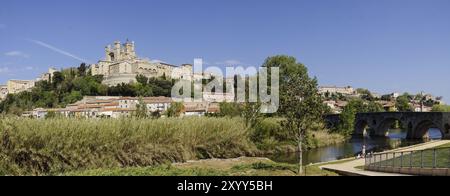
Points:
(111, 55)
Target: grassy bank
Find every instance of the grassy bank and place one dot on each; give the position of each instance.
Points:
(216, 167)
(418, 159)
(58, 146)
(36, 147)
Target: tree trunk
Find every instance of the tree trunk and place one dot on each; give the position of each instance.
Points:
(300, 154)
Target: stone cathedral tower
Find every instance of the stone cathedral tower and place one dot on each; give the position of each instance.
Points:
(120, 52)
(122, 65)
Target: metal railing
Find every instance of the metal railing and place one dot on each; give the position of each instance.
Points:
(436, 158)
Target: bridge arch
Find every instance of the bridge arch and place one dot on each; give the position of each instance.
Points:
(362, 128)
(422, 128)
(417, 124)
(385, 125)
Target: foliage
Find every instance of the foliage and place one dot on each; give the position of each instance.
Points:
(70, 85)
(301, 105)
(175, 109)
(348, 115)
(230, 109)
(251, 112)
(59, 145)
(365, 94)
(141, 109)
(402, 103)
(441, 108)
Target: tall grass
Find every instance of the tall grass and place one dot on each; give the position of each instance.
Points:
(54, 146)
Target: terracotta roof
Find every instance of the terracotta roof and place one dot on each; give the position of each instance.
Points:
(111, 104)
(117, 110)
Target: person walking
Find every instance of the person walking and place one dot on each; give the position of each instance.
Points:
(363, 153)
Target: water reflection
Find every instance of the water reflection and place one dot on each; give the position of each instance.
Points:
(353, 147)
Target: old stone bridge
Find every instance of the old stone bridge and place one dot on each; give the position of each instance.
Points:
(416, 124)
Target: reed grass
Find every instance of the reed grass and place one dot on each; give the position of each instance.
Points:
(55, 146)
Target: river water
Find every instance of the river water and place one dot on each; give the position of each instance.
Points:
(353, 147)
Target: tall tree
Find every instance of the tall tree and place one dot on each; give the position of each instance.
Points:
(141, 109)
(142, 79)
(300, 102)
(403, 105)
(57, 79)
(175, 110)
(348, 115)
(82, 70)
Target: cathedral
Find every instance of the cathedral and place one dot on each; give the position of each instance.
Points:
(122, 65)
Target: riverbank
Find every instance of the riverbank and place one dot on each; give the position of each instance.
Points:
(58, 146)
(243, 166)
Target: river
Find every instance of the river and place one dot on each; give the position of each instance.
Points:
(353, 147)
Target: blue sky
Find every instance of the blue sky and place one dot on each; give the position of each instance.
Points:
(383, 45)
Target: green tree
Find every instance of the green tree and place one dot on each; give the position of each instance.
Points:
(57, 79)
(175, 110)
(141, 109)
(348, 115)
(301, 104)
(402, 104)
(251, 113)
(82, 70)
(365, 94)
(441, 108)
(230, 109)
(374, 107)
(72, 97)
(142, 79)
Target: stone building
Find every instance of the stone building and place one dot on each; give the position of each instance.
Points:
(337, 90)
(17, 86)
(47, 76)
(3, 91)
(122, 65)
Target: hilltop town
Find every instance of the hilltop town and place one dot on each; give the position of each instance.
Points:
(337, 98)
(121, 66)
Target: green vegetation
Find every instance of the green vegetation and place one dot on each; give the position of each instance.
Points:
(59, 145)
(175, 110)
(402, 103)
(42, 147)
(271, 137)
(230, 167)
(163, 170)
(301, 105)
(441, 108)
(56, 146)
(365, 94)
(419, 159)
(70, 85)
(348, 115)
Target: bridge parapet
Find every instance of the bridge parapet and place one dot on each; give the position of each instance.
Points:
(416, 123)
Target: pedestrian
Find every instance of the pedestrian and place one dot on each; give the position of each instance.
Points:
(363, 151)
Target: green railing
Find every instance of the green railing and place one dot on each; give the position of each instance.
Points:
(436, 158)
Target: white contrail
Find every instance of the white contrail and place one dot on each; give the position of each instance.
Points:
(58, 50)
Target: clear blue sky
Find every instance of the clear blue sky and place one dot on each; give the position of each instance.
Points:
(383, 45)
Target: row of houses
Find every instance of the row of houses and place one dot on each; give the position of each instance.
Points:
(388, 106)
(117, 107)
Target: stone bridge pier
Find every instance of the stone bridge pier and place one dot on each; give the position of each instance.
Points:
(416, 124)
